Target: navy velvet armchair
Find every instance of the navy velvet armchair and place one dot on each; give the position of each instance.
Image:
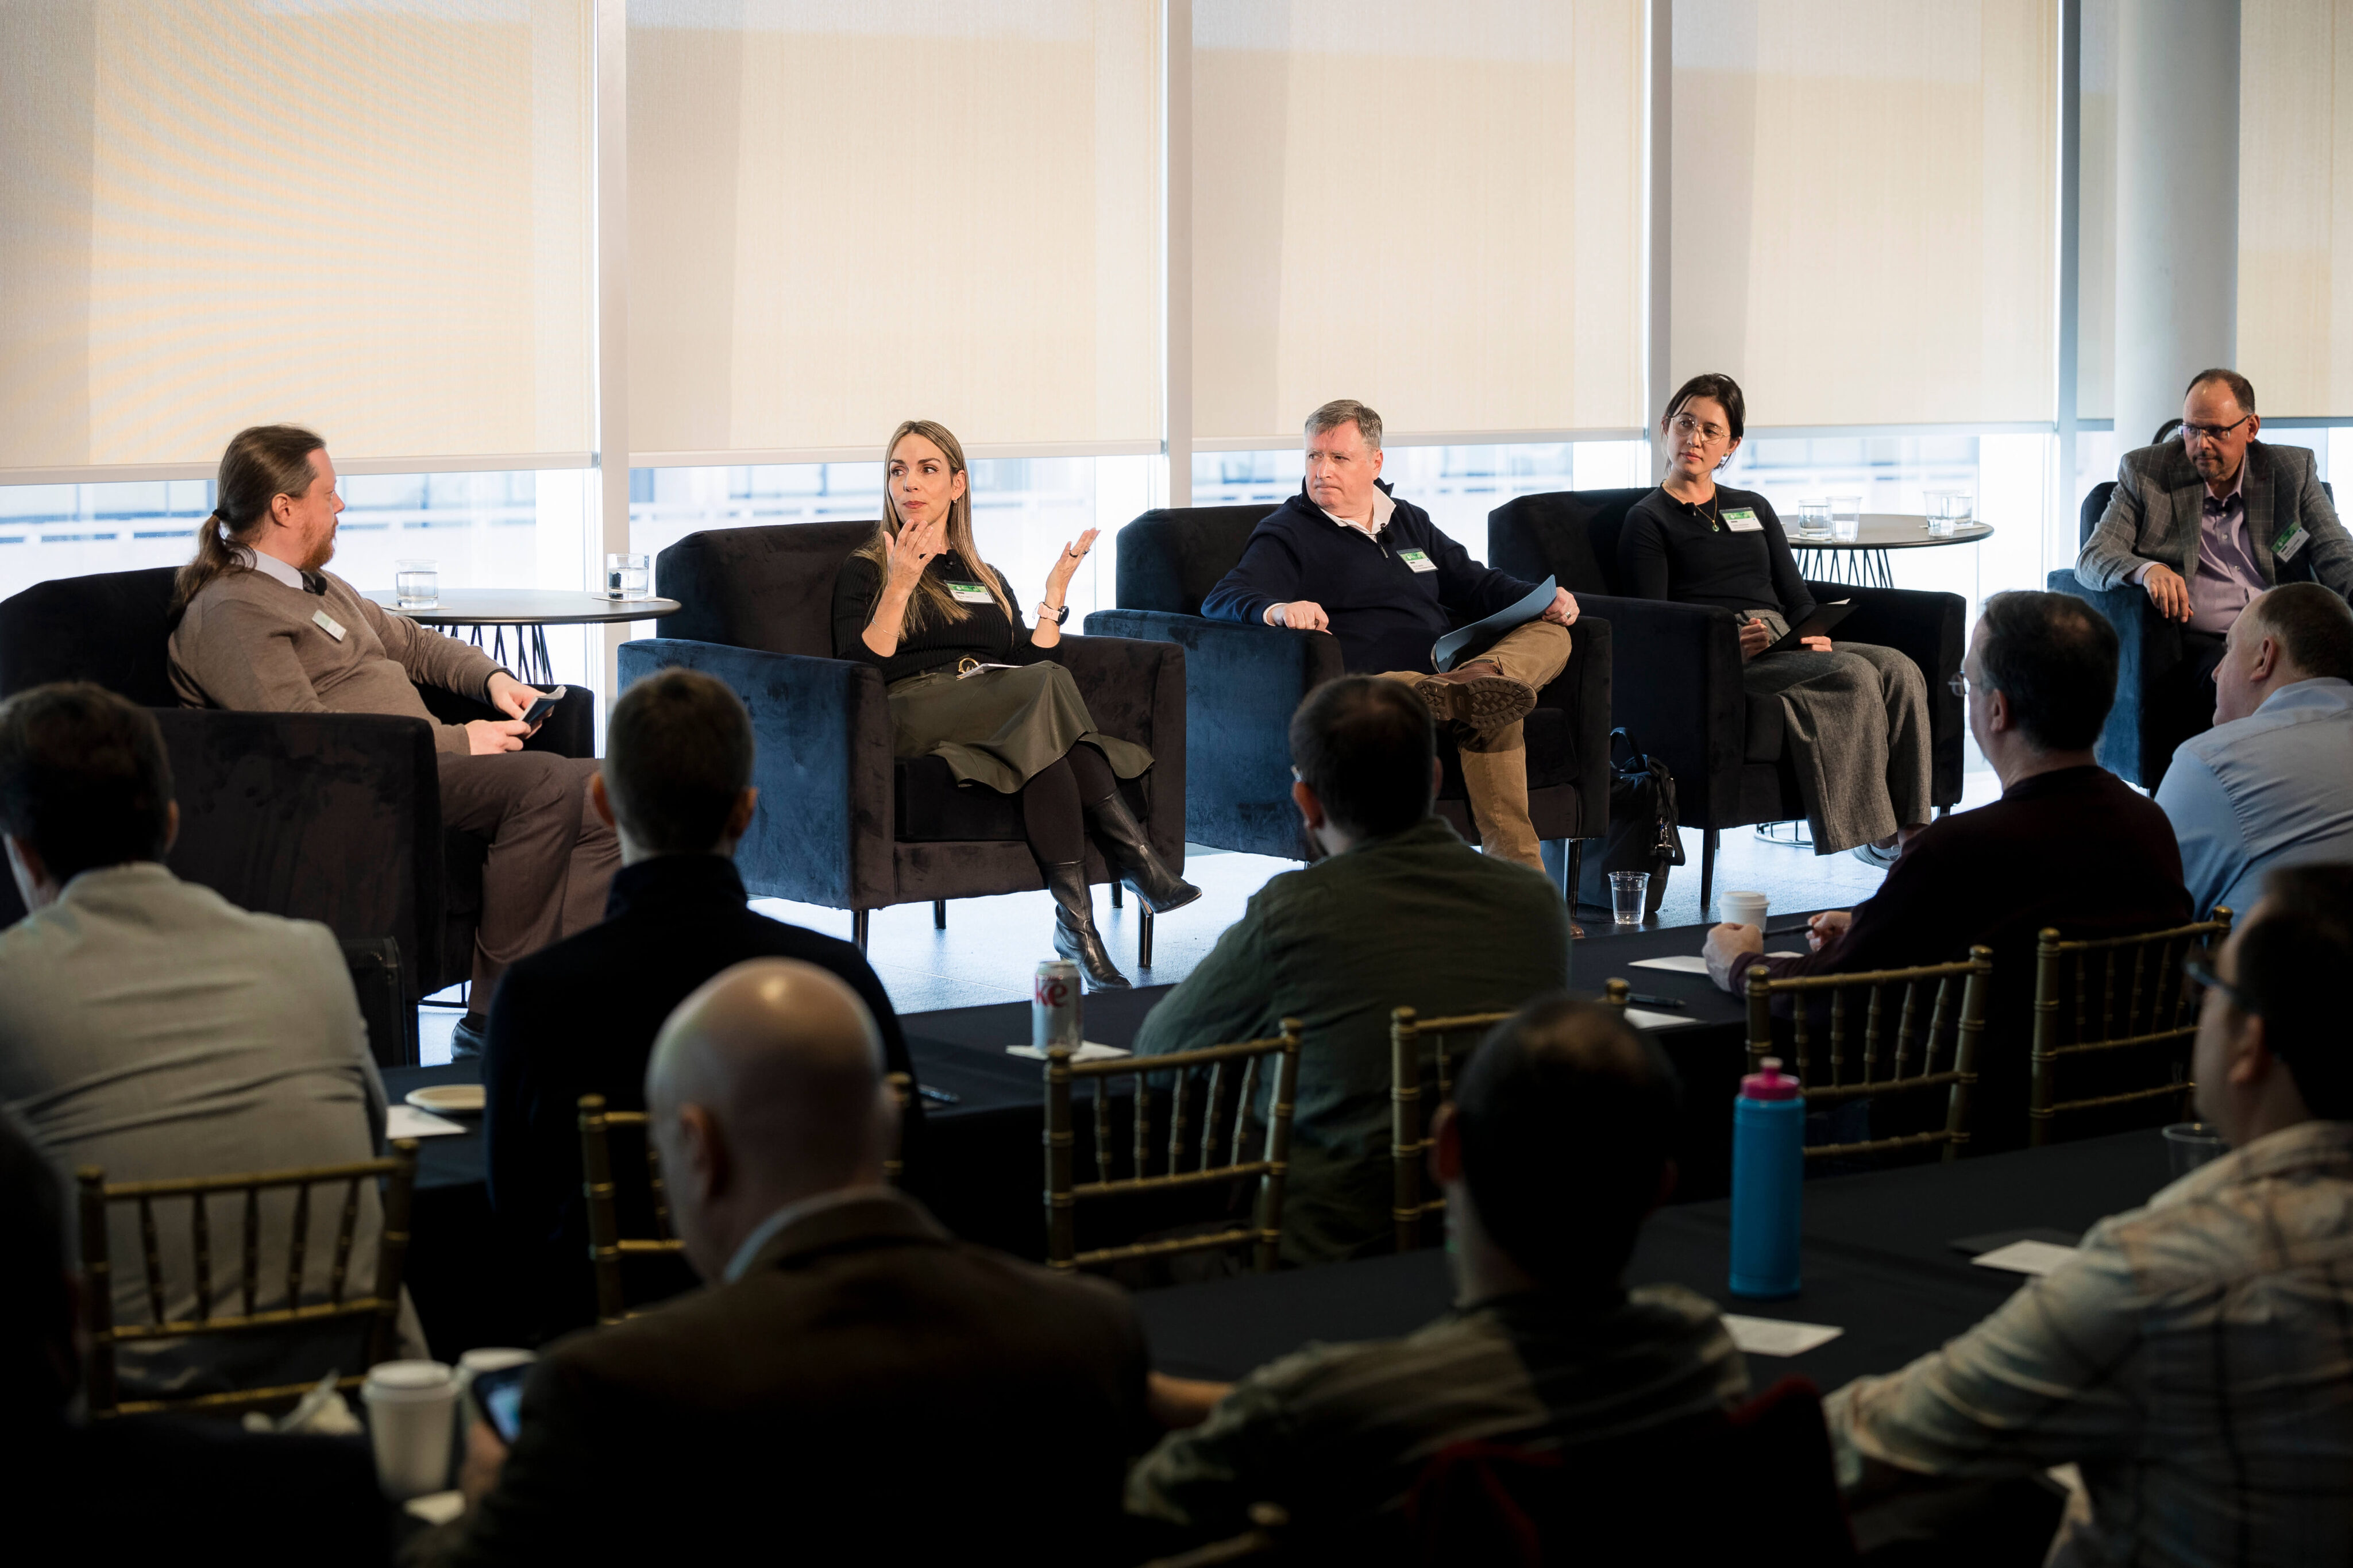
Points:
(1242, 684)
(1678, 685)
(334, 817)
(840, 823)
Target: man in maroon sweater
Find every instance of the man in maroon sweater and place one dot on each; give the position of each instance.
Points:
(2068, 845)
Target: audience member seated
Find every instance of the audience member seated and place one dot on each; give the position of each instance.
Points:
(151, 1489)
(1400, 913)
(1553, 1151)
(2068, 845)
(854, 1385)
(1306, 567)
(152, 1028)
(1858, 714)
(2191, 1359)
(2204, 524)
(2272, 783)
(580, 1017)
(264, 625)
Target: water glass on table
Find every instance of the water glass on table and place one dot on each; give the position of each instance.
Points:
(1814, 519)
(1846, 518)
(417, 583)
(1948, 511)
(1630, 891)
(2189, 1144)
(629, 577)
(412, 1408)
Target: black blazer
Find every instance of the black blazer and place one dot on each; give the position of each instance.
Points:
(869, 1391)
(579, 1017)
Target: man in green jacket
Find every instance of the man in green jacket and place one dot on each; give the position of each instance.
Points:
(1399, 913)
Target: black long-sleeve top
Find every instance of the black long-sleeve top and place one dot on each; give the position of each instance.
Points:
(1389, 597)
(985, 633)
(1670, 549)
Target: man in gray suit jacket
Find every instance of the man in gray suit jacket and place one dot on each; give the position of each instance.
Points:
(2204, 525)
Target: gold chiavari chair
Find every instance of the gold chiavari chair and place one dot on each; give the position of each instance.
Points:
(607, 1245)
(1228, 1077)
(1958, 996)
(2159, 1016)
(375, 1314)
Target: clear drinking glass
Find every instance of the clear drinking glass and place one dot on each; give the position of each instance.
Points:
(1965, 510)
(1628, 892)
(1941, 505)
(1846, 518)
(629, 577)
(2189, 1144)
(1813, 519)
(417, 583)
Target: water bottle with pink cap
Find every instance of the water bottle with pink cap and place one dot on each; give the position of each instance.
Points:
(1768, 1175)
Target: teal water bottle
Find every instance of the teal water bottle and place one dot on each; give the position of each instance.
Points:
(1769, 1174)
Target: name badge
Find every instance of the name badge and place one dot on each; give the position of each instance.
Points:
(2286, 545)
(329, 625)
(1743, 520)
(1419, 560)
(970, 593)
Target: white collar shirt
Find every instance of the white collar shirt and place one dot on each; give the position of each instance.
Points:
(1383, 508)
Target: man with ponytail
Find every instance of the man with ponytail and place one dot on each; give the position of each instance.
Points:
(264, 627)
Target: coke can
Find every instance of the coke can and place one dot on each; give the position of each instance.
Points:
(1054, 1006)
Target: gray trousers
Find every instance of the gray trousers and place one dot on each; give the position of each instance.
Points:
(552, 857)
(1855, 723)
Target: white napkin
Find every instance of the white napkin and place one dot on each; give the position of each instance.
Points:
(1773, 1336)
(1689, 963)
(2026, 1258)
(1643, 1018)
(1088, 1051)
(407, 1121)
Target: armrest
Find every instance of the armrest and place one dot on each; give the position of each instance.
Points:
(2148, 649)
(822, 835)
(1676, 687)
(1932, 630)
(1135, 691)
(569, 731)
(1241, 686)
(1582, 690)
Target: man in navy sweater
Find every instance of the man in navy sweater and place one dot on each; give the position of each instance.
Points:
(1346, 556)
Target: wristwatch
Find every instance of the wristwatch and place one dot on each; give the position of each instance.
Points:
(1056, 616)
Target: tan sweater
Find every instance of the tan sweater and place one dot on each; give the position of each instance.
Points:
(250, 642)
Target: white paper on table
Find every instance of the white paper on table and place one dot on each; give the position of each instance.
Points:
(1773, 1336)
(1643, 1018)
(2026, 1258)
(1682, 964)
(1088, 1051)
(407, 1121)
(437, 1508)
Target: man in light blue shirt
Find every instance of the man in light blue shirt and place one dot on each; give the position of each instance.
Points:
(2272, 783)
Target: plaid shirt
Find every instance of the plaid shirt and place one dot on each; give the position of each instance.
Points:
(2195, 1361)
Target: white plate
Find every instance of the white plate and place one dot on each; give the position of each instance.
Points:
(449, 1099)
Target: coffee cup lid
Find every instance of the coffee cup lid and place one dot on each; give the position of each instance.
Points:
(399, 1380)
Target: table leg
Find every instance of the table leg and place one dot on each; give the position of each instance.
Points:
(1796, 834)
(543, 668)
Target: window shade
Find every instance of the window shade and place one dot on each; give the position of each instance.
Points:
(1435, 209)
(1864, 198)
(847, 212)
(2295, 205)
(2095, 219)
(369, 217)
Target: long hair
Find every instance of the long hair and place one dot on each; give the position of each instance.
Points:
(262, 463)
(930, 598)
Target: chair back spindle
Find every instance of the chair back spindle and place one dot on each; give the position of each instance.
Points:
(2158, 1023)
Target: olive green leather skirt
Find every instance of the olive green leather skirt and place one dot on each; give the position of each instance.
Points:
(1000, 728)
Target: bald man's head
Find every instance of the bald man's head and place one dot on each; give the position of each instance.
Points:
(765, 1087)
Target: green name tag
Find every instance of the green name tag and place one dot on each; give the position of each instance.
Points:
(970, 593)
(2285, 546)
(1743, 520)
(1417, 559)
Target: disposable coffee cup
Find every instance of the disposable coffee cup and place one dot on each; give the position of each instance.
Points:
(1742, 909)
(412, 1411)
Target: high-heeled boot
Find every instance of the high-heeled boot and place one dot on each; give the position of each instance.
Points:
(1075, 937)
(1132, 855)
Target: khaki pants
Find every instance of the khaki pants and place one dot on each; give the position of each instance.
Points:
(552, 857)
(1495, 761)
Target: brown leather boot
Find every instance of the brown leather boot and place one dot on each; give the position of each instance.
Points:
(1478, 695)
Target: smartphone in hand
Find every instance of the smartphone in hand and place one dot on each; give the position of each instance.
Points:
(536, 714)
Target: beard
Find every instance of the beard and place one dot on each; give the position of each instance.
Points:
(319, 557)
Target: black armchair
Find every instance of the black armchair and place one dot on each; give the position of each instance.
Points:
(1678, 677)
(1244, 682)
(840, 823)
(334, 817)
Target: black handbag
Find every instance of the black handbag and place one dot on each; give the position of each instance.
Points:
(1642, 836)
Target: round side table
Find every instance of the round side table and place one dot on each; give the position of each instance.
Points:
(529, 612)
(1862, 562)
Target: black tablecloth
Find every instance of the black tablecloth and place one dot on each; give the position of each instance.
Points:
(1879, 1263)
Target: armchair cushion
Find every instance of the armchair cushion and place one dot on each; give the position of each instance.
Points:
(110, 626)
(1170, 558)
(768, 588)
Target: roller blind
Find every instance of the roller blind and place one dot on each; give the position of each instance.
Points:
(370, 217)
(1434, 208)
(2095, 221)
(847, 212)
(2295, 205)
(1864, 228)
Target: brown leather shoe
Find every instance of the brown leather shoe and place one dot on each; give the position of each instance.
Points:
(1478, 695)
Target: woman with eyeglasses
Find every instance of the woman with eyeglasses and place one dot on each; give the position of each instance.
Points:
(970, 684)
(1856, 715)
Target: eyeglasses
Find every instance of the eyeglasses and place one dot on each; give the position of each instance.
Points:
(1958, 685)
(2192, 434)
(2202, 974)
(1685, 426)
